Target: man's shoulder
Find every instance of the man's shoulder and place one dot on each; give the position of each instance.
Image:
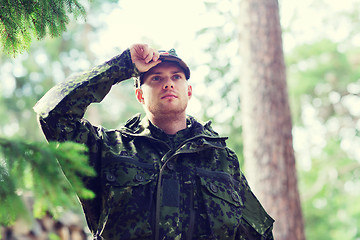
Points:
(134, 127)
(203, 128)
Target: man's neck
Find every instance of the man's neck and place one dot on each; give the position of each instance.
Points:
(169, 124)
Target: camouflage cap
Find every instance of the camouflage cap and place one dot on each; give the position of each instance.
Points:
(167, 56)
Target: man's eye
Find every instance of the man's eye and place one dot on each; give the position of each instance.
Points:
(156, 78)
(176, 76)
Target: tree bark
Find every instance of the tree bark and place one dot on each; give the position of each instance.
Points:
(267, 125)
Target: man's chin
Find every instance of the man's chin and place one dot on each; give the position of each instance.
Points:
(169, 110)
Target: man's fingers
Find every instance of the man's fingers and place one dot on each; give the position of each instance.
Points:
(139, 51)
(144, 56)
(153, 55)
(138, 48)
(154, 63)
(149, 56)
(156, 56)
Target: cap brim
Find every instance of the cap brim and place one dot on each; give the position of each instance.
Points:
(171, 58)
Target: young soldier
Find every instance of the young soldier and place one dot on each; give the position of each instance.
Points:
(166, 176)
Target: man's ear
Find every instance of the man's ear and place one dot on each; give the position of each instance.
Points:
(189, 91)
(139, 95)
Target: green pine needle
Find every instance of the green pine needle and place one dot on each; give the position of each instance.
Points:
(23, 20)
(34, 167)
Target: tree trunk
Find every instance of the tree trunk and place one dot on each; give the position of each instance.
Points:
(268, 150)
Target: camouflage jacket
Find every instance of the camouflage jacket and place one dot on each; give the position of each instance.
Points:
(150, 185)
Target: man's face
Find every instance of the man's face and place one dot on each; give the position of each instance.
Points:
(165, 90)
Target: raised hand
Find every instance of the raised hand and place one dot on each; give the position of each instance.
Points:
(144, 57)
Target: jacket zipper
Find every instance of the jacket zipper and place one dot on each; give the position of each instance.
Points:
(192, 212)
(158, 196)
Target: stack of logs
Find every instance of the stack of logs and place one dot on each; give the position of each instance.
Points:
(70, 226)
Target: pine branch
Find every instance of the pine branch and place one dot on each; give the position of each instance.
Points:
(26, 166)
(21, 20)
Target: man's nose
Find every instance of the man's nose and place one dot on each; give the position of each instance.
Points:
(168, 83)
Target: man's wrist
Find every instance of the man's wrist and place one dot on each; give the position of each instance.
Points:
(122, 67)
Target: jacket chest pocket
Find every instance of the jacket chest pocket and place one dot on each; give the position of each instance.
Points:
(127, 178)
(129, 185)
(223, 202)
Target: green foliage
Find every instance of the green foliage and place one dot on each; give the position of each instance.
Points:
(324, 88)
(321, 62)
(330, 191)
(317, 69)
(21, 20)
(28, 166)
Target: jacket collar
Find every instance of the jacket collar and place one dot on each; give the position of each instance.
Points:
(135, 127)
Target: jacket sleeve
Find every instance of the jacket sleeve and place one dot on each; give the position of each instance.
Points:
(61, 110)
(256, 222)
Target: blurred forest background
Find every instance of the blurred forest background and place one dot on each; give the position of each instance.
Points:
(322, 52)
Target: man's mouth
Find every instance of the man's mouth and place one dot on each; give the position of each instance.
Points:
(169, 96)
